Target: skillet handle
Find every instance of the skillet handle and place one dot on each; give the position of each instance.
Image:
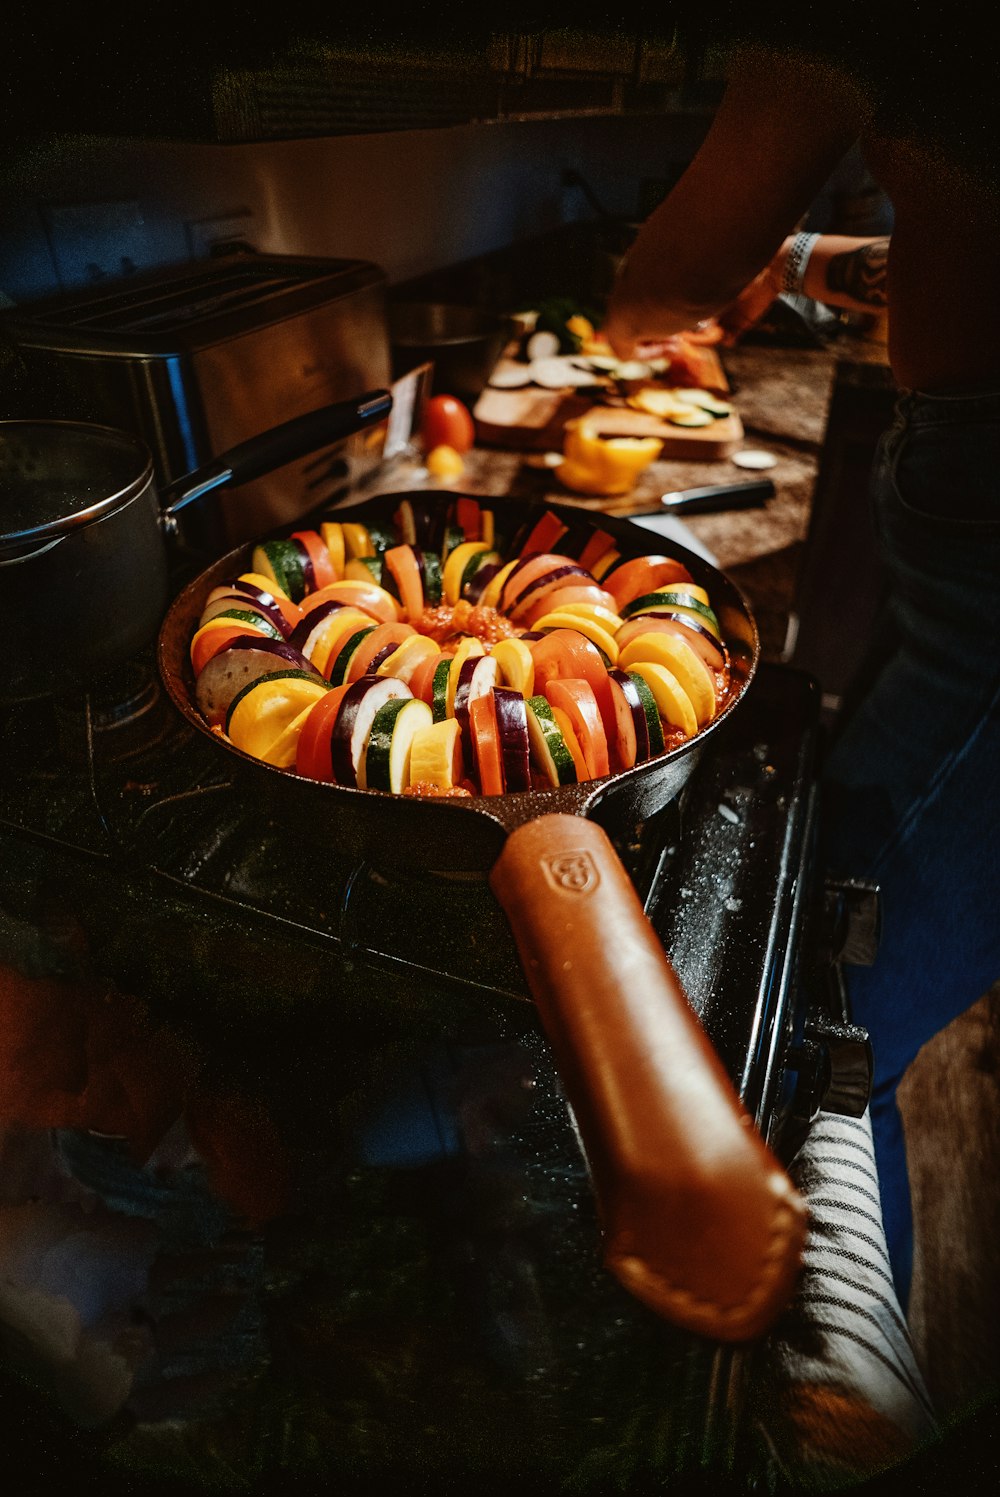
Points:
(699, 1220)
(272, 449)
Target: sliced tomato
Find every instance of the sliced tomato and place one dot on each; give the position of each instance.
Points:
(486, 743)
(598, 545)
(211, 638)
(422, 680)
(367, 595)
(404, 567)
(531, 570)
(468, 517)
(319, 555)
(312, 756)
(566, 652)
(571, 574)
(576, 698)
(643, 574)
(364, 660)
(595, 632)
(574, 592)
(544, 534)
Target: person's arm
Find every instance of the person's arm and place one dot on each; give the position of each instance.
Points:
(782, 126)
(839, 270)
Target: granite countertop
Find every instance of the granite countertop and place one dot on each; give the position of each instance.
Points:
(782, 396)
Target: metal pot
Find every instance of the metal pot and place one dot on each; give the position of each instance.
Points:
(463, 343)
(86, 538)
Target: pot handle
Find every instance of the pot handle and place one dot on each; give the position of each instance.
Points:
(15, 559)
(272, 449)
(699, 1220)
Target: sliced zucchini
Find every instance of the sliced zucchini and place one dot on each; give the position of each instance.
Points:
(649, 707)
(669, 602)
(251, 616)
(385, 763)
(439, 689)
(706, 401)
(694, 417)
(342, 664)
(281, 562)
(430, 568)
(549, 752)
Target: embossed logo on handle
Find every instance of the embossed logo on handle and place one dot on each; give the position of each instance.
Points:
(571, 872)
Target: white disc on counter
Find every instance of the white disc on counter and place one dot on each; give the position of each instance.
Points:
(753, 458)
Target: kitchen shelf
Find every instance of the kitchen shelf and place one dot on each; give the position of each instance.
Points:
(239, 89)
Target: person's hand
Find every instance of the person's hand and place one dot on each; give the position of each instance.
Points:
(752, 303)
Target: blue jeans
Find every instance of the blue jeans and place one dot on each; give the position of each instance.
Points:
(912, 778)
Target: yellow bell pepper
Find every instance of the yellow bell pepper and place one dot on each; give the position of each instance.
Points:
(593, 464)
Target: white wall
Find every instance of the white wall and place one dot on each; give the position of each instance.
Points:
(411, 202)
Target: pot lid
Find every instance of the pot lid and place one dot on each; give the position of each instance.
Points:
(58, 476)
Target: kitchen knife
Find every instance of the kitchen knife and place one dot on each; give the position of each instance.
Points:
(713, 498)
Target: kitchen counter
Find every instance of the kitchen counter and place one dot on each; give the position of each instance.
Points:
(782, 396)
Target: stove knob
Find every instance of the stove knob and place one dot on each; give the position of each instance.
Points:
(834, 1067)
(853, 918)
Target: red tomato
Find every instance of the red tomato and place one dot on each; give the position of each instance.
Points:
(643, 574)
(576, 698)
(446, 422)
(486, 737)
(312, 754)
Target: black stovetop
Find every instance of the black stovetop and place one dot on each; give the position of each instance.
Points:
(369, 1243)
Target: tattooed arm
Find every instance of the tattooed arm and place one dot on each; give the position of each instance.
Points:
(842, 271)
(848, 273)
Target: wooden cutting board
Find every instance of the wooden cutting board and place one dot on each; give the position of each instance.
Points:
(533, 419)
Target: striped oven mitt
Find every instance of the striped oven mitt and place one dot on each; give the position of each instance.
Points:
(837, 1393)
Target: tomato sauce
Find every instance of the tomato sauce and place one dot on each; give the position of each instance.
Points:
(424, 790)
(447, 620)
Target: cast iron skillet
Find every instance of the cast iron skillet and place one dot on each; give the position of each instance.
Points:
(698, 1218)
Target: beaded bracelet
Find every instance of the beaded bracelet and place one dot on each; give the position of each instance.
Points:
(796, 261)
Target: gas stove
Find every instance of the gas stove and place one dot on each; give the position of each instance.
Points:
(342, 1121)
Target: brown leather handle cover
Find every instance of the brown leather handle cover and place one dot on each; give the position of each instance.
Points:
(699, 1219)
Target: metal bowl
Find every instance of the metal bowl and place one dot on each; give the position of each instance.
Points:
(463, 343)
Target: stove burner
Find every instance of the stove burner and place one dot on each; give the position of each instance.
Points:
(123, 715)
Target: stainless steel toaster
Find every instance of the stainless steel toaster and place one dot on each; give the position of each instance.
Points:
(198, 358)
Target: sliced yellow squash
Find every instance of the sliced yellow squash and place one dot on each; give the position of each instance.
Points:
(679, 658)
(672, 701)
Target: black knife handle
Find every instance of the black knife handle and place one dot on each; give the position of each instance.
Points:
(716, 497)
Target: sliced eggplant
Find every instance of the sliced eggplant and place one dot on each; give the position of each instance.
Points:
(478, 675)
(512, 727)
(631, 728)
(239, 662)
(358, 710)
